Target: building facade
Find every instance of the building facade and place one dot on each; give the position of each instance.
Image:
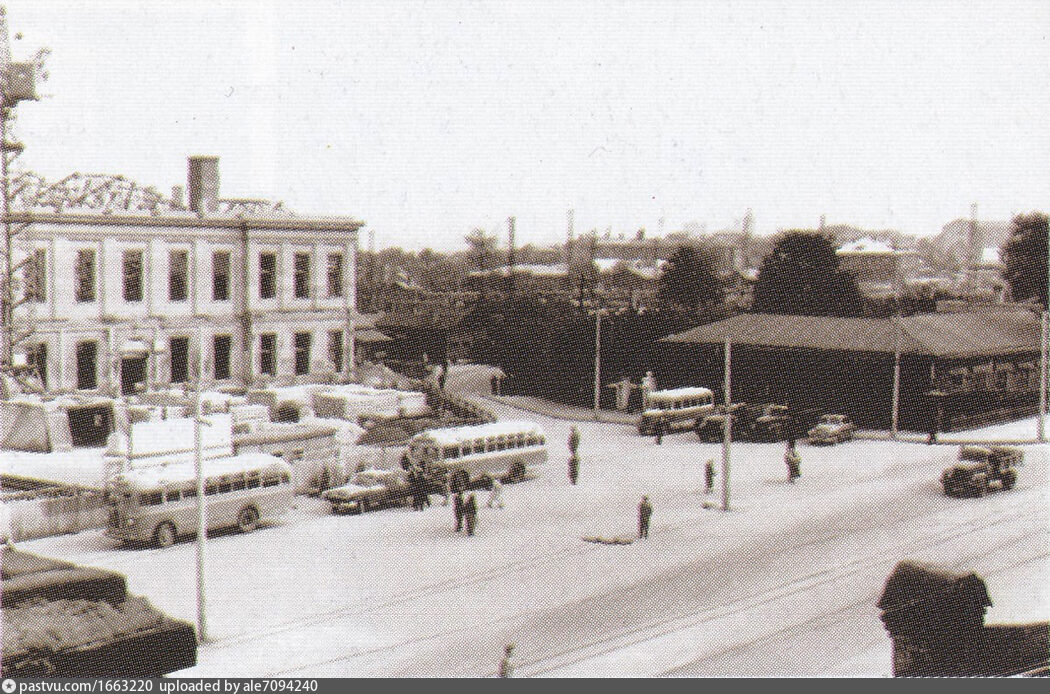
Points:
(119, 300)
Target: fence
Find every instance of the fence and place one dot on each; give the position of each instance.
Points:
(29, 515)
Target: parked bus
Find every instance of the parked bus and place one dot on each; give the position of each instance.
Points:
(678, 407)
(158, 504)
(469, 453)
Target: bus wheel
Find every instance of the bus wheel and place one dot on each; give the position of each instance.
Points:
(248, 519)
(517, 472)
(164, 535)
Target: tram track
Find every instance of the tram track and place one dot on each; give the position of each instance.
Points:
(656, 628)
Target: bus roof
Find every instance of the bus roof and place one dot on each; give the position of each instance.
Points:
(673, 393)
(279, 432)
(453, 435)
(175, 473)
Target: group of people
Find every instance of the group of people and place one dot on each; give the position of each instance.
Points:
(417, 485)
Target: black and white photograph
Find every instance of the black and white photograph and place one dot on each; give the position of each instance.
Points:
(501, 339)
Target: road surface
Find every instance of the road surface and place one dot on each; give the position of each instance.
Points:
(783, 584)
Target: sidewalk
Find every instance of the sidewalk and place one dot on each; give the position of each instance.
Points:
(560, 411)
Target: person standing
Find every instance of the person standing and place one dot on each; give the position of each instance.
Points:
(660, 428)
(574, 468)
(793, 461)
(709, 476)
(446, 488)
(645, 512)
(470, 513)
(457, 510)
(648, 386)
(574, 440)
(506, 664)
(496, 495)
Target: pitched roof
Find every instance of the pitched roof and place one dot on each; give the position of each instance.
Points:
(930, 334)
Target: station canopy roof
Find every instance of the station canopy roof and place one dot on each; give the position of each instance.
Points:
(943, 335)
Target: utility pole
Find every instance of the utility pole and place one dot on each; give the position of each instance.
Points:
(202, 512)
(727, 432)
(597, 361)
(895, 403)
(1041, 423)
(17, 84)
(511, 255)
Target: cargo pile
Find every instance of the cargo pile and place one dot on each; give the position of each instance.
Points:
(63, 620)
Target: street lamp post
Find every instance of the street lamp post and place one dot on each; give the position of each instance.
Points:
(597, 361)
(727, 433)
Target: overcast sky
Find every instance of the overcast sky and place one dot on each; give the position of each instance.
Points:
(426, 119)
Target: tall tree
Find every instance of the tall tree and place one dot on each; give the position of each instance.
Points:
(1024, 257)
(801, 276)
(482, 247)
(690, 281)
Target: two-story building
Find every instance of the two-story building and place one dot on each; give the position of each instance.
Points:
(139, 291)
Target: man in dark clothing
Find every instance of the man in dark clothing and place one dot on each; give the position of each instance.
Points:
(574, 468)
(470, 512)
(645, 512)
(709, 476)
(457, 510)
(661, 429)
(574, 440)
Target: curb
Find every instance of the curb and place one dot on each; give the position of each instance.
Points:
(528, 407)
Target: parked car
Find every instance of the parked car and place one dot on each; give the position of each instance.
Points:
(711, 428)
(831, 429)
(773, 423)
(982, 469)
(368, 490)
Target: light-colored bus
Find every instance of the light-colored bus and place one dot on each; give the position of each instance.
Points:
(158, 504)
(469, 453)
(678, 408)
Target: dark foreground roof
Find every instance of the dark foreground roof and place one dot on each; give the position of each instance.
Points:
(930, 334)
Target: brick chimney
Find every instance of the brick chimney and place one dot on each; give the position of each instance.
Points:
(203, 182)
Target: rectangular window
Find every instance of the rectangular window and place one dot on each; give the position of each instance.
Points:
(335, 349)
(151, 499)
(302, 275)
(180, 359)
(87, 374)
(85, 270)
(178, 275)
(36, 356)
(335, 275)
(132, 276)
(302, 353)
(189, 493)
(220, 276)
(211, 489)
(36, 277)
(173, 495)
(268, 354)
(221, 355)
(267, 275)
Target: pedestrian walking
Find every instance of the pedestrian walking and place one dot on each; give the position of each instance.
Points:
(659, 429)
(645, 512)
(496, 495)
(506, 664)
(446, 488)
(457, 510)
(793, 461)
(709, 476)
(574, 468)
(574, 440)
(470, 514)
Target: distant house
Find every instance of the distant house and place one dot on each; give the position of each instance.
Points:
(985, 363)
(880, 269)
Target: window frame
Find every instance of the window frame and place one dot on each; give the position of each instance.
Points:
(132, 269)
(220, 280)
(173, 278)
(86, 288)
(334, 276)
(301, 262)
(267, 275)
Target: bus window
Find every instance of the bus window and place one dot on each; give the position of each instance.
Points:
(519, 441)
(253, 482)
(278, 454)
(237, 484)
(543, 441)
(173, 495)
(286, 478)
(211, 488)
(451, 452)
(296, 456)
(271, 481)
(189, 493)
(151, 499)
(479, 445)
(224, 485)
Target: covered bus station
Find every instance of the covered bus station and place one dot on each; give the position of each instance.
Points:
(957, 370)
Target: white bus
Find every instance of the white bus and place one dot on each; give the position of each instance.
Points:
(157, 504)
(469, 453)
(678, 407)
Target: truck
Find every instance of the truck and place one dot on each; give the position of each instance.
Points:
(982, 469)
